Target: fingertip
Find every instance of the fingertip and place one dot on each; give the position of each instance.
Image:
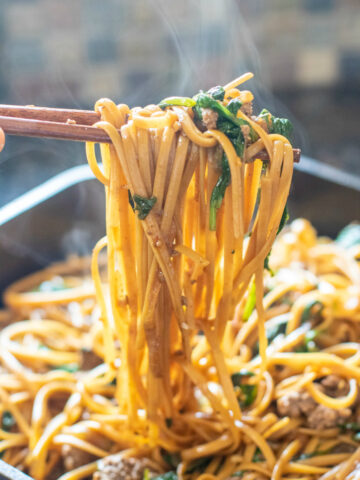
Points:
(2, 139)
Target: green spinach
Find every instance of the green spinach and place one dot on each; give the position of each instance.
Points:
(246, 393)
(283, 221)
(199, 464)
(166, 476)
(177, 101)
(281, 126)
(271, 334)
(7, 421)
(250, 302)
(309, 344)
(141, 204)
(172, 459)
(218, 192)
(312, 309)
(69, 367)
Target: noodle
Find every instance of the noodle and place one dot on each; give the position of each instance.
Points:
(203, 363)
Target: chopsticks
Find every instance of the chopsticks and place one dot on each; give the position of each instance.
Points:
(64, 124)
(58, 123)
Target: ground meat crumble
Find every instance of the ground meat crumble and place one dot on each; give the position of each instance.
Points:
(296, 404)
(115, 467)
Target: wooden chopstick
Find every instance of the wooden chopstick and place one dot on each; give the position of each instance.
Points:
(60, 115)
(65, 124)
(26, 127)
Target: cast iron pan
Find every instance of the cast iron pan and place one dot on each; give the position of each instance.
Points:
(65, 215)
(60, 217)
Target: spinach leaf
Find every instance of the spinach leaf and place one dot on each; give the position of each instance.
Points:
(166, 476)
(309, 344)
(237, 377)
(271, 334)
(172, 459)
(250, 302)
(249, 393)
(258, 456)
(349, 236)
(203, 100)
(218, 192)
(234, 105)
(142, 204)
(230, 125)
(227, 122)
(267, 264)
(282, 126)
(168, 422)
(7, 421)
(266, 115)
(246, 393)
(355, 427)
(234, 134)
(283, 221)
(217, 93)
(199, 464)
(70, 367)
(239, 473)
(178, 101)
(310, 311)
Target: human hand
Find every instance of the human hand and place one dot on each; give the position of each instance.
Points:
(2, 139)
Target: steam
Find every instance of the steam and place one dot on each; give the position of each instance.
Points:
(209, 46)
(222, 48)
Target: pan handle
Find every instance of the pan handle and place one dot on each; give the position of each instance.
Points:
(7, 472)
(43, 192)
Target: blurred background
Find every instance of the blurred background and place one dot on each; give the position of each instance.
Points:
(305, 55)
(64, 53)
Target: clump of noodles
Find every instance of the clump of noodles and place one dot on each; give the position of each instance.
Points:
(194, 350)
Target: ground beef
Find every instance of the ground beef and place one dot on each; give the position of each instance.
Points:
(247, 108)
(115, 467)
(343, 448)
(74, 457)
(295, 404)
(335, 386)
(90, 360)
(209, 118)
(324, 417)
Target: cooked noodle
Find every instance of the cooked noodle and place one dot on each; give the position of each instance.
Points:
(195, 351)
